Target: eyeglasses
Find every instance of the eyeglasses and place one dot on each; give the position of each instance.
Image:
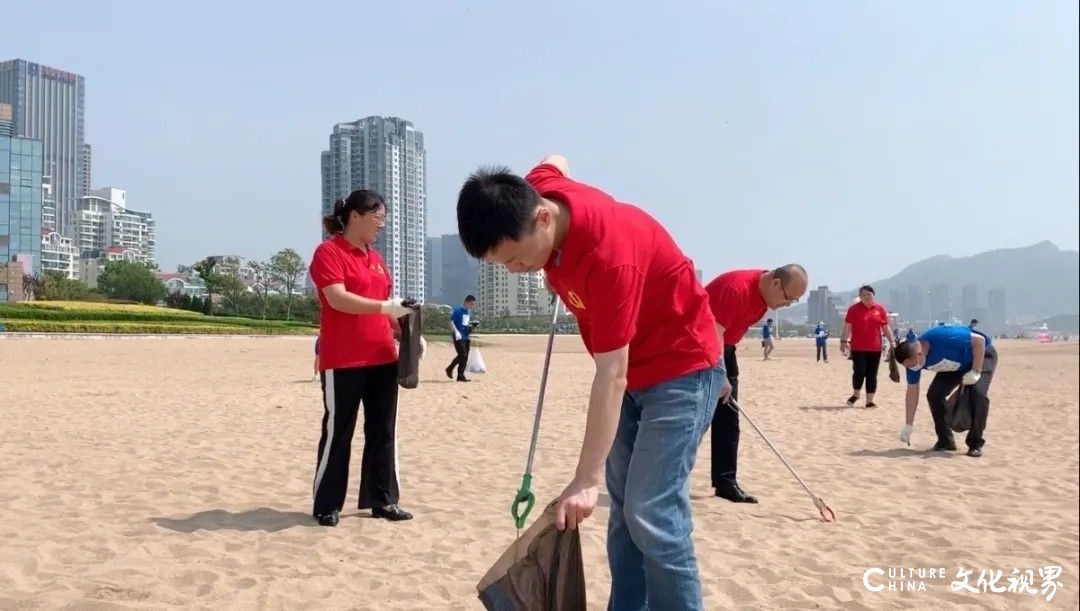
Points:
(787, 297)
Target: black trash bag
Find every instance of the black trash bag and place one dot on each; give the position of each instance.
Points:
(959, 412)
(541, 571)
(894, 368)
(408, 365)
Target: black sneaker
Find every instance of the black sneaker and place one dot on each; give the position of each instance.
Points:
(974, 452)
(945, 446)
(852, 399)
(450, 372)
(327, 519)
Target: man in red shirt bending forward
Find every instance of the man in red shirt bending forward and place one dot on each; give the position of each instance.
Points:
(645, 319)
(739, 299)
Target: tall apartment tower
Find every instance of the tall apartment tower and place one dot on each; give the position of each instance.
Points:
(502, 293)
(48, 105)
(386, 155)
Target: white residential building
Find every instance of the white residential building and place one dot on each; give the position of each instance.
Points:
(58, 254)
(103, 220)
(502, 293)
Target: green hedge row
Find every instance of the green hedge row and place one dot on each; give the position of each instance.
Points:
(79, 326)
(15, 312)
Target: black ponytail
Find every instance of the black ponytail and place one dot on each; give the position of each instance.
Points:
(361, 201)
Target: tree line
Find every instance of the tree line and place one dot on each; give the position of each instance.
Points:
(135, 282)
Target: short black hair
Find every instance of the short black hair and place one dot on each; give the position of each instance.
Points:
(494, 205)
(867, 287)
(470, 298)
(770, 320)
(903, 351)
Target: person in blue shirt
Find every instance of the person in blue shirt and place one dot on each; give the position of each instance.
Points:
(957, 355)
(766, 338)
(461, 326)
(821, 335)
(911, 335)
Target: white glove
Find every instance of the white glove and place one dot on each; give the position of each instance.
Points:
(971, 377)
(395, 307)
(905, 433)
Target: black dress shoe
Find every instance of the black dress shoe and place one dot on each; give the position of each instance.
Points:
(463, 379)
(974, 452)
(392, 513)
(732, 492)
(450, 372)
(945, 447)
(327, 519)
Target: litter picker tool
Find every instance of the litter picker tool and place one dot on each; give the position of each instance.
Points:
(826, 512)
(524, 494)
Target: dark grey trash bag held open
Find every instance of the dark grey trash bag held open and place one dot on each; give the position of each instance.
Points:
(408, 366)
(541, 571)
(959, 412)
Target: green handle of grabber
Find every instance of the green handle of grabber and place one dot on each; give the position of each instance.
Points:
(524, 495)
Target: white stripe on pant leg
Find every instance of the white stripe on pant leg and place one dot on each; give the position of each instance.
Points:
(396, 481)
(329, 400)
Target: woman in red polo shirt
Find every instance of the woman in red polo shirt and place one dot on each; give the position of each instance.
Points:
(357, 360)
(865, 323)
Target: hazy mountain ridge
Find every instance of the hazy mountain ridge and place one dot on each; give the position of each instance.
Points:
(1040, 281)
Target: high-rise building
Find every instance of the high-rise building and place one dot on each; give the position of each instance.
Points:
(969, 302)
(21, 161)
(104, 221)
(917, 310)
(817, 305)
(940, 305)
(452, 273)
(995, 309)
(84, 160)
(502, 293)
(47, 105)
(386, 155)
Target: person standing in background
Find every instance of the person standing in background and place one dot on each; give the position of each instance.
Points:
(766, 339)
(821, 335)
(864, 325)
(461, 326)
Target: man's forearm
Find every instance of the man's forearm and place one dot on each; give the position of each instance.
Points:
(911, 403)
(601, 423)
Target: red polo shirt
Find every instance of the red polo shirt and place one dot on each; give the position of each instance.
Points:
(352, 340)
(866, 326)
(626, 281)
(736, 302)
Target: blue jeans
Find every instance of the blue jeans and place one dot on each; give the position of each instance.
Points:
(649, 548)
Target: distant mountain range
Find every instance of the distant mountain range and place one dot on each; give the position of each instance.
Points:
(1040, 281)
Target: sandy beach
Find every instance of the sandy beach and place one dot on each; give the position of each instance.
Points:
(158, 473)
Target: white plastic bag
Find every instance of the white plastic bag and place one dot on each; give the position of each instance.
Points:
(475, 364)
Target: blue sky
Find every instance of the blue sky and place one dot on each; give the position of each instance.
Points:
(852, 137)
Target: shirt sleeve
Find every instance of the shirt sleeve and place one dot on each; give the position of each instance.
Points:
(544, 177)
(326, 269)
(849, 317)
(617, 301)
(913, 376)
